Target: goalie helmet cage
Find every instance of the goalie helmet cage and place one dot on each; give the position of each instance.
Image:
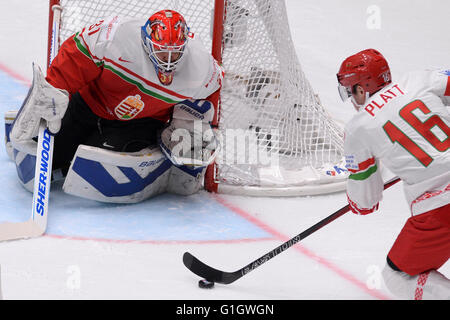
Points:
(276, 139)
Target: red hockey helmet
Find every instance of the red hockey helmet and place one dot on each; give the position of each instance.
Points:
(367, 68)
(165, 36)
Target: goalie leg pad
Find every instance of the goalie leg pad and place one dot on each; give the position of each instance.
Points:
(25, 161)
(184, 180)
(23, 154)
(9, 119)
(24, 157)
(117, 177)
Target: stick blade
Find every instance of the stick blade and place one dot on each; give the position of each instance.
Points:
(19, 230)
(206, 272)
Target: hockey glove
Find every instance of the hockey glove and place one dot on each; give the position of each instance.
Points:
(42, 102)
(189, 139)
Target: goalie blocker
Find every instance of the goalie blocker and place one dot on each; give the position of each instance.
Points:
(129, 177)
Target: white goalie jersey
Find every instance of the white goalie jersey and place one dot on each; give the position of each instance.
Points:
(405, 127)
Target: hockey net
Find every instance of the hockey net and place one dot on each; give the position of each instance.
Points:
(276, 137)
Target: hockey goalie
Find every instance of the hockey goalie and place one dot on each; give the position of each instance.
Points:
(127, 104)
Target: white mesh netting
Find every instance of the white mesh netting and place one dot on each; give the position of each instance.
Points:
(274, 132)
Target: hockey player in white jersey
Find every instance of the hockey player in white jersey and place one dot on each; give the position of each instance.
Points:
(404, 126)
(131, 85)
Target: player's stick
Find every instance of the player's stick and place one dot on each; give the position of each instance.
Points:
(213, 275)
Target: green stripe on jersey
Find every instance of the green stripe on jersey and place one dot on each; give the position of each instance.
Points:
(363, 175)
(140, 85)
(80, 46)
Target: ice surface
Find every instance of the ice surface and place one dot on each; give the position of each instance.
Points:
(98, 251)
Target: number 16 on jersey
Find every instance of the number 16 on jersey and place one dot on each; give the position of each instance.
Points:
(433, 130)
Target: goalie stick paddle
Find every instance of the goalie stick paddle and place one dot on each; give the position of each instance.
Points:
(213, 275)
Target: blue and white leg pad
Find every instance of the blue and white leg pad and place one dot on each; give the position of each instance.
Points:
(118, 177)
(25, 165)
(9, 119)
(24, 155)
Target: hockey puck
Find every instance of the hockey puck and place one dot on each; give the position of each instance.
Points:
(205, 284)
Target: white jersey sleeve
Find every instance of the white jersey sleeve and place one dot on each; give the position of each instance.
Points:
(364, 184)
(199, 73)
(99, 35)
(212, 81)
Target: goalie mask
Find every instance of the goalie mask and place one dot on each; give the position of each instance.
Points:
(164, 37)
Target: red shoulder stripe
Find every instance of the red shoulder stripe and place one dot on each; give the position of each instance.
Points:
(363, 165)
(447, 91)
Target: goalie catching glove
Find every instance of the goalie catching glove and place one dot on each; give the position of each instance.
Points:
(189, 139)
(42, 102)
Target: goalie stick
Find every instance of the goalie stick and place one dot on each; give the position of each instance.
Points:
(37, 224)
(213, 275)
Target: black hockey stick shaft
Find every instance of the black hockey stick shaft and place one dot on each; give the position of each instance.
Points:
(203, 270)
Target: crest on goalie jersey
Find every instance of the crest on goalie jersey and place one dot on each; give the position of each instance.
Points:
(129, 107)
